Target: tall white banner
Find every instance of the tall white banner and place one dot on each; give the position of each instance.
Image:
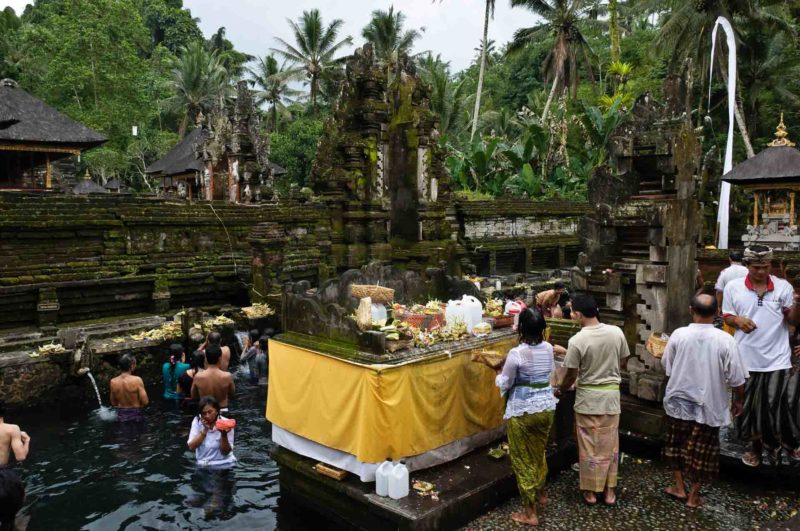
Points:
(725, 187)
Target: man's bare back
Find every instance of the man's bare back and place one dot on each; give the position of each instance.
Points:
(127, 391)
(225, 360)
(214, 382)
(12, 439)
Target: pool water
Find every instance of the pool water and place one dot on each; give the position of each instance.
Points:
(84, 472)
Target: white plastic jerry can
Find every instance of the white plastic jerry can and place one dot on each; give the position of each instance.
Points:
(382, 478)
(398, 482)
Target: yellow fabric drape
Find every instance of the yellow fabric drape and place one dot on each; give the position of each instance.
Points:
(380, 411)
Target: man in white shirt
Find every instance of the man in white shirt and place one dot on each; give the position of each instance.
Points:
(701, 362)
(761, 307)
(733, 271)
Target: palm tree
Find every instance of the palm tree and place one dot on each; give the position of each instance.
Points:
(687, 28)
(274, 86)
(385, 32)
(230, 58)
(314, 50)
(484, 46)
(561, 21)
(199, 81)
(447, 96)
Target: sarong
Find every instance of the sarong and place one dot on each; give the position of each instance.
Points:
(527, 442)
(130, 414)
(692, 448)
(598, 450)
(770, 410)
(12, 496)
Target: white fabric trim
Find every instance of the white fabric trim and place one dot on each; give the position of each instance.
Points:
(366, 471)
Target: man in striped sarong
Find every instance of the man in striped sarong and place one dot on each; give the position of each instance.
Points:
(594, 357)
(701, 362)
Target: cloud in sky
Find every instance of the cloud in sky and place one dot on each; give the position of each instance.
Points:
(453, 28)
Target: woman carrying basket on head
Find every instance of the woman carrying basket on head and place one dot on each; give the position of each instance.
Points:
(525, 380)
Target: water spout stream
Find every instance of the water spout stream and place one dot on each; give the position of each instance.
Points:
(105, 413)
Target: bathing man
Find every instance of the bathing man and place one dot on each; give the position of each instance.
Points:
(215, 338)
(214, 381)
(12, 490)
(127, 391)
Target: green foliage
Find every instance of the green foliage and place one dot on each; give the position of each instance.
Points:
(313, 53)
(386, 33)
(295, 149)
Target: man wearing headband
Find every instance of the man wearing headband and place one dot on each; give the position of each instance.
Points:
(760, 307)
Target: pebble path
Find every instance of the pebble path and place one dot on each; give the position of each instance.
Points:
(642, 506)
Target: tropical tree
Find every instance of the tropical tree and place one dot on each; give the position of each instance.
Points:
(484, 47)
(273, 84)
(386, 33)
(570, 49)
(448, 99)
(314, 51)
(11, 54)
(231, 59)
(199, 81)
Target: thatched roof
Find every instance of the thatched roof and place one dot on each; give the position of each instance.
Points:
(276, 170)
(773, 165)
(183, 158)
(28, 119)
(779, 163)
(113, 184)
(88, 186)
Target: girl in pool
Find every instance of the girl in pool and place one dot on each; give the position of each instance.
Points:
(197, 362)
(172, 371)
(211, 440)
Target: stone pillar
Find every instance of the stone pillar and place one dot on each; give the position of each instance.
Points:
(161, 295)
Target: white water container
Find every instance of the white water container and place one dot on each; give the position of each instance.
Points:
(454, 312)
(473, 311)
(398, 482)
(382, 478)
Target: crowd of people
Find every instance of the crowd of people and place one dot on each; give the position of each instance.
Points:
(732, 364)
(200, 383)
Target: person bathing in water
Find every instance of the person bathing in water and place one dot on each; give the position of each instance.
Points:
(250, 354)
(212, 444)
(127, 391)
(196, 364)
(214, 381)
(12, 490)
(214, 338)
(172, 370)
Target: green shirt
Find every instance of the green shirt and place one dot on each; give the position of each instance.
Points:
(596, 351)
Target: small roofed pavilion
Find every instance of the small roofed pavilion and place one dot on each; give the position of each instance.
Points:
(33, 135)
(181, 168)
(773, 176)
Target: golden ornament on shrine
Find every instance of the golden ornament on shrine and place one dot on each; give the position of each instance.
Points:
(781, 136)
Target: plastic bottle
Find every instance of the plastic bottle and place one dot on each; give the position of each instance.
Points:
(473, 311)
(382, 478)
(398, 482)
(378, 312)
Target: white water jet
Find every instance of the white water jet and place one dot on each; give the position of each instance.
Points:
(103, 412)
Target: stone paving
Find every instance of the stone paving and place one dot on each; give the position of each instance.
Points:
(730, 505)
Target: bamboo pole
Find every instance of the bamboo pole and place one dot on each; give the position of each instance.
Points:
(48, 180)
(791, 208)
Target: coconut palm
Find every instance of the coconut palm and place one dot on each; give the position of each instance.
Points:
(385, 32)
(447, 96)
(313, 54)
(199, 81)
(484, 46)
(686, 32)
(562, 22)
(273, 84)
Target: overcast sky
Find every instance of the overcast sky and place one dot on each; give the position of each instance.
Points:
(453, 27)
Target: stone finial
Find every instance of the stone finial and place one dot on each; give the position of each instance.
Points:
(781, 136)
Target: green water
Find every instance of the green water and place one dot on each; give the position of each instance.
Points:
(86, 473)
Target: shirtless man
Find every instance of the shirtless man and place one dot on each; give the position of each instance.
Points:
(12, 490)
(214, 338)
(214, 381)
(127, 391)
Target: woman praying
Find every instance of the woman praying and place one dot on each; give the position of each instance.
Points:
(525, 380)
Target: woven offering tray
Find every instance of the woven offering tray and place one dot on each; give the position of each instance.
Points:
(490, 358)
(378, 294)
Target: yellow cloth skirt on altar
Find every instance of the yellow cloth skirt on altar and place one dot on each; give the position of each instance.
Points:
(382, 411)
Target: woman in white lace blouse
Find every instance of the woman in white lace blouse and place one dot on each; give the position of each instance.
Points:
(525, 381)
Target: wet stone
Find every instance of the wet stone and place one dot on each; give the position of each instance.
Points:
(641, 505)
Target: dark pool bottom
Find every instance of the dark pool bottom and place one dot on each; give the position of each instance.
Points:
(86, 473)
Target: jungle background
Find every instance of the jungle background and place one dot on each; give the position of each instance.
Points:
(532, 117)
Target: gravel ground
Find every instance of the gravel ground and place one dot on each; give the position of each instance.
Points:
(642, 506)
